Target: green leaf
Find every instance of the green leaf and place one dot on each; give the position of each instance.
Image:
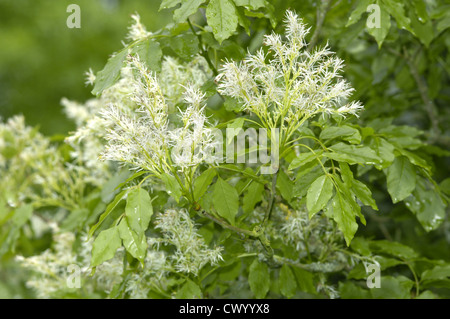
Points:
(364, 194)
(251, 4)
(190, 290)
(187, 8)
(303, 181)
(303, 159)
(361, 7)
(185, 46)
(259, 279)
(111, 187)
(108, 210)
(401, 179)
(424, 30)
(343, 214)
(105, 245)
(253, 195)
(384, 150)
(226, 200)
(396, 9)
(437, 273)
(167, 4)
(349, 290)
(319, 194)
(352, 154)
(136, 245)
(138, 210)
(202, 183)
(235, 127)
(287, 282)
(110, 73)
(380, 33)
(393, 288)
(285, 185)
(222, 17)
(22, 215)
(428, 207)
(149, 51)
(75, 219)
(393, 248)
(172, 186)
(345, 132)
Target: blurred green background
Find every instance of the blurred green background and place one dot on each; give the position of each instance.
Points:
(42, 60)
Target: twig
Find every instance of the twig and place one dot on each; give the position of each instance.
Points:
(322, 11)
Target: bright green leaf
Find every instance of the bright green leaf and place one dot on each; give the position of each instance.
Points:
(172, 186)
(222, 17)
(202, 182)
(187, 8)
(344, 215)
(319, 194)
(105, 245)
(149, 52)
(167, 4)
(138, 210)
(253, 195)
(134, 244)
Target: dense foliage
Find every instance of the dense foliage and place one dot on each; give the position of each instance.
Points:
(138, 201)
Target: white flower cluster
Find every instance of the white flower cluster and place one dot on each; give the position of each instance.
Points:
(191, 253)
(291, 83)
(52, 272)
(176, 76)
(32, 168)
(143, 137)
(137, 30)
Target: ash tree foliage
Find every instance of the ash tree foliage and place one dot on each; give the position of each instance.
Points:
(141, 198)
